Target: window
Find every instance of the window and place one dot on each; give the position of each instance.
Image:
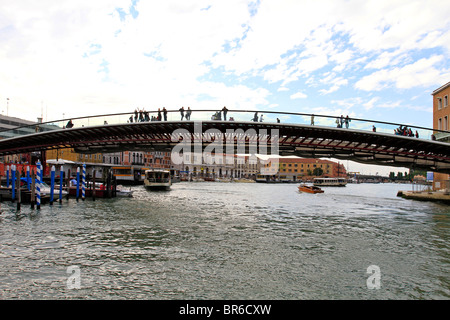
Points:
(440, 124)
(446, 123)
(445, 101)
(439, 100)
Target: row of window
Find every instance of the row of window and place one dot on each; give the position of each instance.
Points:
(296, 170)
(442, 102)
(443, 123)
(295, 165)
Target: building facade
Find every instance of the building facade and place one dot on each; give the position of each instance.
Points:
(207, 165)
(295, 168)
(441, 112)
(441, 118)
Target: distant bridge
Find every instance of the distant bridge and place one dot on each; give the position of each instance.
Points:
(287, 139)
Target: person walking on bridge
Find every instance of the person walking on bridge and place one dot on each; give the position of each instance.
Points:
(188, 113)
(347, 121)
(225, 110)
(165, 113)
(182, 113)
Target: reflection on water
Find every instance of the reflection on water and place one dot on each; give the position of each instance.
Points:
(229, 241)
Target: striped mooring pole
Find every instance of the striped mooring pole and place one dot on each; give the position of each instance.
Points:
(61, 178)
(38, 185)
(83, 186)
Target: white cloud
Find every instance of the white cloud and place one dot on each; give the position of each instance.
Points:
(84, 57)
(370, 104)
(335, 81)
(419, 73)
(298, 95)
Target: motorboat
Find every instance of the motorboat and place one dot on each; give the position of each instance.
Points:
(45, 188)
(309, 189)
(121, 191)
(157, 179)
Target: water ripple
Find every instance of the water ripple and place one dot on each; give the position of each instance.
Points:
(229, 241)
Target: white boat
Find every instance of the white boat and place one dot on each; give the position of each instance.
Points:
(330, 182)
(45, 189)
(121, 191)
(157, 179)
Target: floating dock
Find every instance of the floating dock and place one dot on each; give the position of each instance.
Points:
(438, 196)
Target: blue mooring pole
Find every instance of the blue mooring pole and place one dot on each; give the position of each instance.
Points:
(61, 178)
(38, 185)
(78, 183)
(52, 184)
(7, 176)
(28, 178)
(13, 182)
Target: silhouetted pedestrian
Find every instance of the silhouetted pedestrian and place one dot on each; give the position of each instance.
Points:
(188, 113)
(347, 121)
(182, 113)
(225, 110)
(165, 113)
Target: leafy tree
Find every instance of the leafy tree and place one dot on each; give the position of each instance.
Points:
(317, 172)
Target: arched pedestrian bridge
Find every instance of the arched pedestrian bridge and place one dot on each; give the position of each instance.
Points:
(323, 139)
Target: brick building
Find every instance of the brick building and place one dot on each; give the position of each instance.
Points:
(297, 168)
(441, 118)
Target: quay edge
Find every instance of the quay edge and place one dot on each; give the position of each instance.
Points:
(425, 196)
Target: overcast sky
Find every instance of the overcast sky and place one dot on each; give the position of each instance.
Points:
(376, 60)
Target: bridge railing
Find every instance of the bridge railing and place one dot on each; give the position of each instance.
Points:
(218, 115)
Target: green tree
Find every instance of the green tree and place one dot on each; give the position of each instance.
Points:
(317, 172)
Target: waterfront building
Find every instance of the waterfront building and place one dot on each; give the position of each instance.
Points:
(218, 165)
(153, 159)
(295, 168)
(441, 116)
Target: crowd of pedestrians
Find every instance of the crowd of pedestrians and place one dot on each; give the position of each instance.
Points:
(405, 131)
(341, 122)
(144, 116)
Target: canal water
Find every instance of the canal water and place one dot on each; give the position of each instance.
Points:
(205, 240)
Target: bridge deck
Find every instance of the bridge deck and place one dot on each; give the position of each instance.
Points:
(293, 139)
